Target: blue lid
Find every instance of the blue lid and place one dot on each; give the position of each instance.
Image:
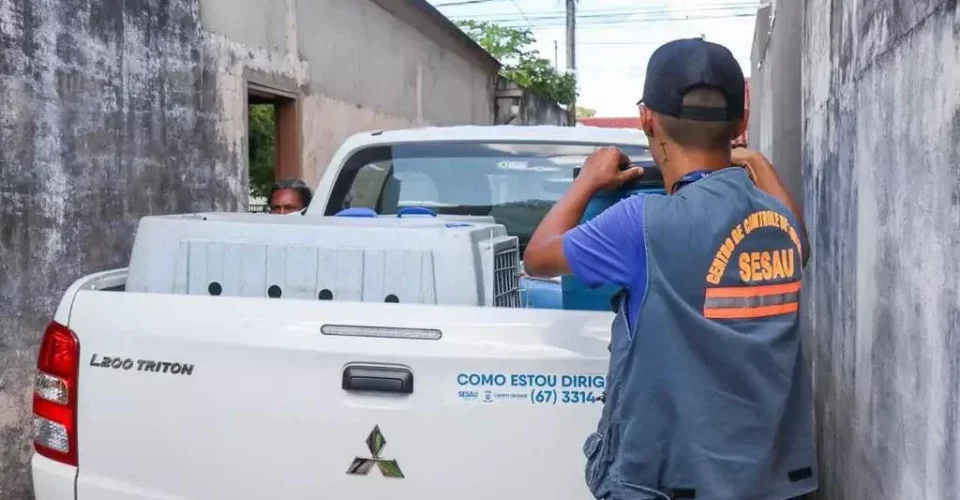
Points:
(363, 212)
(415, 211)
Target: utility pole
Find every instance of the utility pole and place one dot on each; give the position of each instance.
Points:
(572, 54)
(556, 58)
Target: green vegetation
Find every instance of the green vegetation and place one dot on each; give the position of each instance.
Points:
(585, 112)
(262, 149)
(521, 63)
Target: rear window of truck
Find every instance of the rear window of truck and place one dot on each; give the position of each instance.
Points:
(515, 183)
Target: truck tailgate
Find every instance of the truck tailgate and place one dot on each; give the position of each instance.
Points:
(238, 398)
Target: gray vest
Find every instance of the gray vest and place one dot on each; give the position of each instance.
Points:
(708, 397)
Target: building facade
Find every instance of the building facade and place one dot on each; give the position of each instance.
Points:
(110, 111)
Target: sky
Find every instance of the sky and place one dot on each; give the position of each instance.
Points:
(615, 38)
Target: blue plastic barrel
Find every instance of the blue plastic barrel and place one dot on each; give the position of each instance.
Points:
(579, 296)
(538, 293)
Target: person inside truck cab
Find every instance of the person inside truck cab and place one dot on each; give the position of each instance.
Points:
(707, 394)
(289, 196)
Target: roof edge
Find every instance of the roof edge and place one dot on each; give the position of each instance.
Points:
(761, 37)
(426, 19)
(552, 133)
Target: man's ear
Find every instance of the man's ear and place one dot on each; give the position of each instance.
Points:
(646, 121)
(742, 126)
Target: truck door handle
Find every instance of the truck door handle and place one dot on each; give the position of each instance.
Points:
(373, 378)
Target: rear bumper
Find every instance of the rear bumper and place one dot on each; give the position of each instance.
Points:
(53, 480)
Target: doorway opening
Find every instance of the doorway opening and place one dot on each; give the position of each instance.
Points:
(273, 142)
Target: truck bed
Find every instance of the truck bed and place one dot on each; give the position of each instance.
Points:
(203, 397)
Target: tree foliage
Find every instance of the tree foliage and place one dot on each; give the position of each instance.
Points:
(521, 63)
(262, 149)
(585, 112)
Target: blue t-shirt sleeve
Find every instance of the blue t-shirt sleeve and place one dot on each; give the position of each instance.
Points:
(609, 249)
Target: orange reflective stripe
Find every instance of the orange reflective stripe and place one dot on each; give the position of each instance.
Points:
(751, 302)
(751, 312)
(754, 291)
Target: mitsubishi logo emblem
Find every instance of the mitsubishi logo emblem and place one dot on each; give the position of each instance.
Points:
(388, 466)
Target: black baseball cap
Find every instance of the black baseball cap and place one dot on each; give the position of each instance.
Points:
(680, 65)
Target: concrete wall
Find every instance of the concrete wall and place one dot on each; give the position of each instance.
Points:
(113, 110)
(776, 117)
(355, 64)
(880, 170)
(536, 109)
(518, 106)
(108, 111)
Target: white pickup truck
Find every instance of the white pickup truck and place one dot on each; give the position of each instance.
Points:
(186, 396)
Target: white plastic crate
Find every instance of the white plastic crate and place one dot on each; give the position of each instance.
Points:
(424, 260)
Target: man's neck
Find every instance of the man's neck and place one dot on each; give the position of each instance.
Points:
(680, 163)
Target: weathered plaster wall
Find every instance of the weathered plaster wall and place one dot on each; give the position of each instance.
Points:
(776, 117)
(113, 110)
(518, 106)
(355, 65)
(880, 169)
(881, 174)
(536, 109)
(108, 111)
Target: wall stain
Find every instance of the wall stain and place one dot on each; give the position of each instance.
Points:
(881, 185)
(117, 109)
(110, 113)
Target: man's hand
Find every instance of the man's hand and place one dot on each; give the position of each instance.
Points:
(763, 174)
(749, 159)
(601, 170)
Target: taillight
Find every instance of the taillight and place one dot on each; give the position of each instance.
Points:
(55, 395)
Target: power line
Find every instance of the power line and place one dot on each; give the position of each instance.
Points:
(506, 16)
(605, 15)
(595, 18)
(615, 21)
(546, 18)
(626, 42)
(522, 13)
(626, 67)
(602, 18)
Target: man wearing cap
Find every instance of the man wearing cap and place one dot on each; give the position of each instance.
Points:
(707, 394)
